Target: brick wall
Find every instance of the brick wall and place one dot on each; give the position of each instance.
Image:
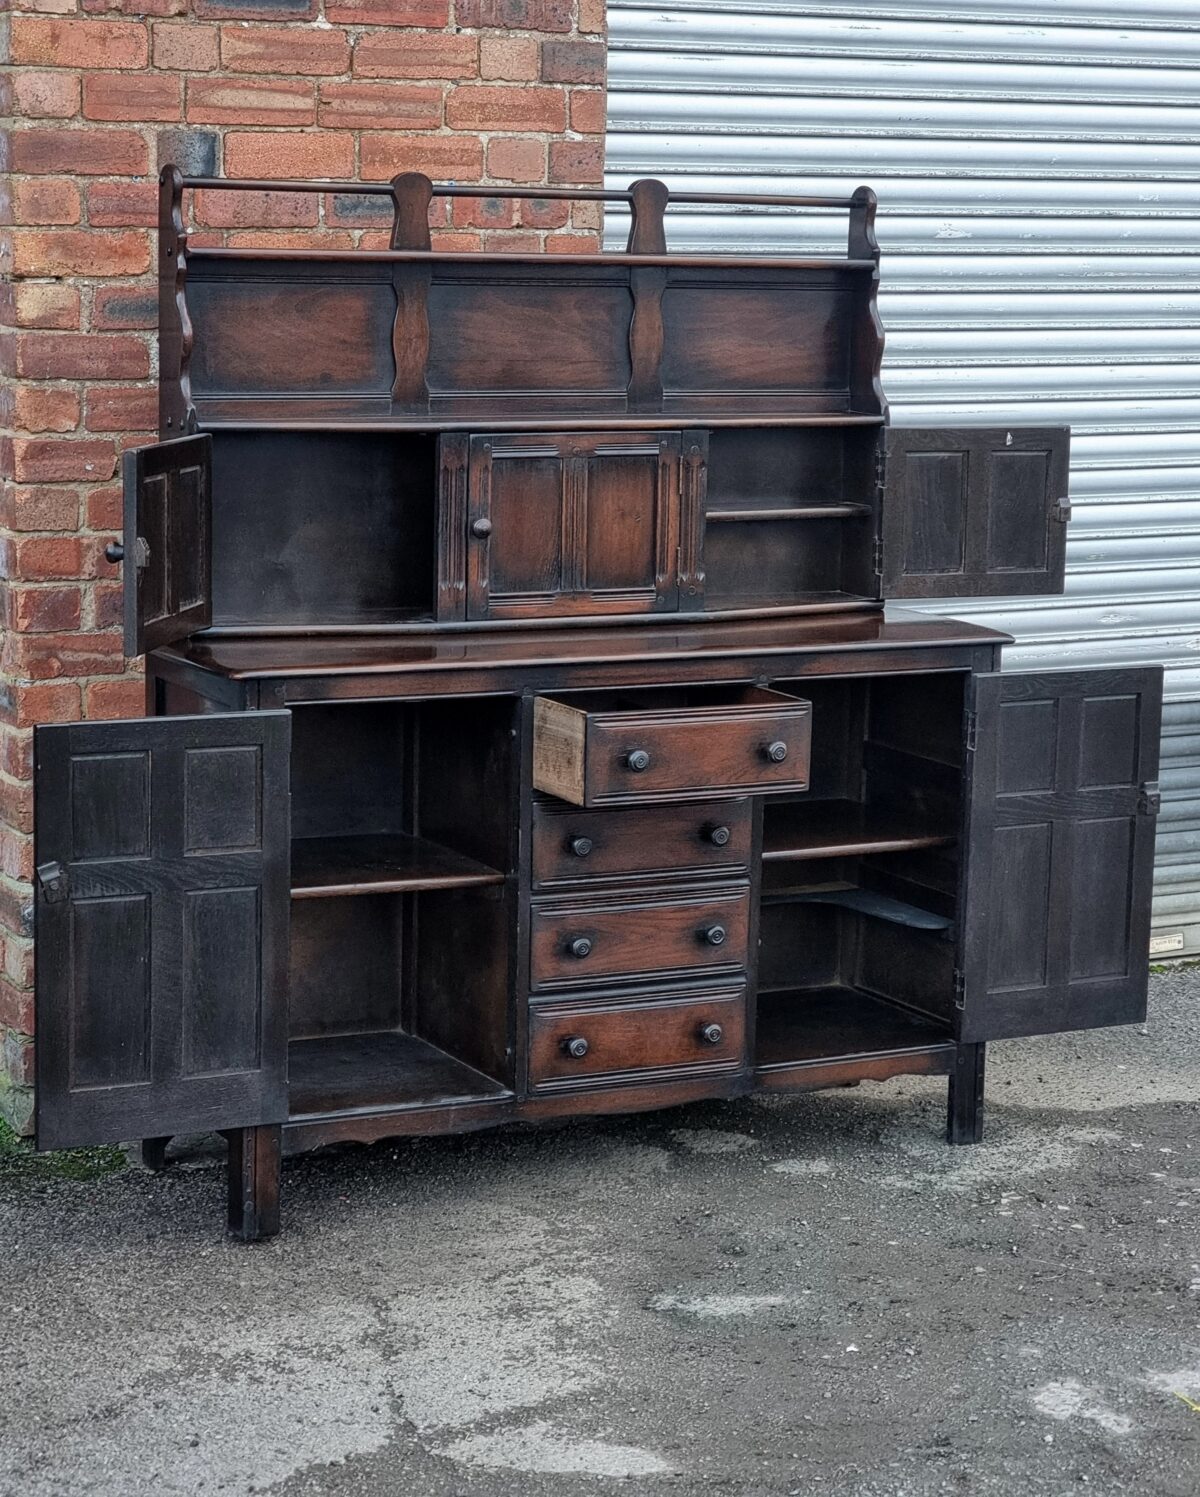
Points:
(99, 94)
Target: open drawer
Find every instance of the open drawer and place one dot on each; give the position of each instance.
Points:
(621, 748)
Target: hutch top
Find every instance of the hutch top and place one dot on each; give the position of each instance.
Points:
(525, 735)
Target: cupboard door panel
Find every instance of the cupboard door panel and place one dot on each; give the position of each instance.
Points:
(162, 903)
(168, 542)
(974, 513)
(1059, 843)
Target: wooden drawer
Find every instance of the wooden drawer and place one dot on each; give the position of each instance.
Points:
(584, 940)
(571, 845)
(620, 749)
(569, 1044)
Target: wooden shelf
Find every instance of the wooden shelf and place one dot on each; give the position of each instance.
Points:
(346, 1073)
(842, 828)
(846, 896)
(790, 512)
(817, 1026)
(327, 867)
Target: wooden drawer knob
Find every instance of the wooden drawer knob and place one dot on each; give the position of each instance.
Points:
(637, 760)
(579, 846)
(713, 935)
(481, 529)
(580, 947)
(711, 1034)
(777, 752)
(575, 1046)
(717, 835)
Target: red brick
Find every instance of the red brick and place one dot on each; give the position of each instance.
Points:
(16, 753)
(47, 460)
(457, 157)
(18, 950)
(573, 62)
(86, 153)
(515, 15)
(571, 244)
(289, 155)
(485, 213)
(189, 47)
(141, 96)
(452, 241)
(35, 408)
(124, 698)
(576, 162)
(516, 158)
(284, 49)
(40, 305)
(108, 601)
(48, 657)
(375, 106)
(78, 43)
(256, 10)
(115, 204)
(516, 59)
(38, 95)
(512, 243)
(16, 1007)
(49, 507)
(357, 210)
(593, 16)
(250, 101)
(399, 54)
(104, 509)
(36, 608)
(47, 558)
(398, 13)
(16, 804)
(137, 7)
(544, 213)
(259, 210)
(45, 200)
(122, 408)
(125, 307)
(296, 239)
(46, 702)
(478, 106)
(587, 111)
(69, 252)
(81, 356)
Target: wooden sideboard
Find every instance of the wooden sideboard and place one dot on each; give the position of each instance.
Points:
(525, 736)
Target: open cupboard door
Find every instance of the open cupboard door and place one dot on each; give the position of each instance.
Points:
(162, 905)
(1059, 850)
(971, 512)
(168, 542)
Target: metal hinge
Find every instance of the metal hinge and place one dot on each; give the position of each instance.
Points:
(960, 989)
(53, 882)
(970, 732)
(878, 556)
(1062, 512)
(1149, 799)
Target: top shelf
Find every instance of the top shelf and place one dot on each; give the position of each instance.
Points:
(368, 415)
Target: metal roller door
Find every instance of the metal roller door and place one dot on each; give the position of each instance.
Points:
(1037, 169)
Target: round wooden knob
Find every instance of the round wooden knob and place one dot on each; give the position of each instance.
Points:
(711, 1034)
(481, 529)
(114, 552)
(714, 935)
(637, 760)
(717, 835)
(576, 1046)
(579, 846)
(777, 752)
(580, 947)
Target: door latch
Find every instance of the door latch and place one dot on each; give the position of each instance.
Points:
(53, 881)
(141, 553)
(1149, 799)
(1062, 511)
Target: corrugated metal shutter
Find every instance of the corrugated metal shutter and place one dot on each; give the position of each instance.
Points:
(1036, 166)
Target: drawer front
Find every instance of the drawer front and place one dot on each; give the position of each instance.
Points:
(581, 941)
(590, 757)
(571, 845)
(580, 1044)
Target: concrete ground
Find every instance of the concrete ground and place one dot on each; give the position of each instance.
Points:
(810, 1295)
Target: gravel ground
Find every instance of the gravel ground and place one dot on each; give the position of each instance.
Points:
(794, 1296)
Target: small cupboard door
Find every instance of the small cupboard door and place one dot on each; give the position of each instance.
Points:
(167, 542)
(574, 524)
(1059, 850)
(973, 512)
(162, 903)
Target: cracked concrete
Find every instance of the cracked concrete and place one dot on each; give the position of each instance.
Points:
(775, 1296)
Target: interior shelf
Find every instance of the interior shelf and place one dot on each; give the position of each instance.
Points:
(344, 1073)
(324, 867)
(862, 902)
(790, 512)
(819, 1025)
(842, 828)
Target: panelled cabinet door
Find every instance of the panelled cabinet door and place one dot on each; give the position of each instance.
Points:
(168, 542)
(162, 903)
(575, 524)
(1059, 850)
(971, 512)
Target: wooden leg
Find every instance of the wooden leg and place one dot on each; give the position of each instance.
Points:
(154, 1153)
(965, 1123)
(254, 1160)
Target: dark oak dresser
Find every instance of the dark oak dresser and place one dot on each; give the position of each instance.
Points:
(525, 736)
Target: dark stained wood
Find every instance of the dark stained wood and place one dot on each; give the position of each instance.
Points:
(255, 1159)
(412, 192)
(367, 1071)
(162, 919)
(176, 412)
(964, 1120)
(167, 542)
(837, 829)
(818, 1025)
(392, 863)
(571, 845)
